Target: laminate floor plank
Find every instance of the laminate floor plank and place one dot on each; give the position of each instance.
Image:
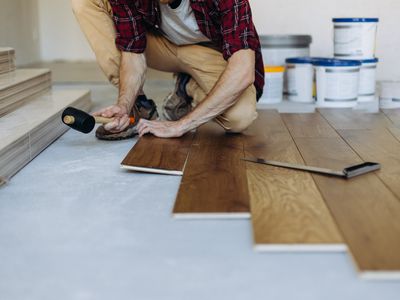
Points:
(214, 183)
(162, 156)
(378, 146)
(288, 212)
(365, 210)
(344, 118)
(393, 115)
(308, 125)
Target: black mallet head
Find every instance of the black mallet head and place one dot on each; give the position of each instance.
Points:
(78, 120)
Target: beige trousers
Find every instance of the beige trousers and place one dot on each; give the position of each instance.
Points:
(203, 64)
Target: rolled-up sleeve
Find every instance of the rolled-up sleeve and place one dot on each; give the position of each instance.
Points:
(237, 27)
(129, 26)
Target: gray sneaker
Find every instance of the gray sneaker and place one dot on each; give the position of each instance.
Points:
(143, 108)
(178, 103)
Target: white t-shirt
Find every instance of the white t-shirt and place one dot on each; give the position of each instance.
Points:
(179, 24)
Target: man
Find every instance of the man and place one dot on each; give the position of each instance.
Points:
(211, 45)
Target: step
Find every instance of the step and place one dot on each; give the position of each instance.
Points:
(7, 60)
(27, 131)
(17, 86)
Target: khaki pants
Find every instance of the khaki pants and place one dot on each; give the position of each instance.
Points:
(205, 65)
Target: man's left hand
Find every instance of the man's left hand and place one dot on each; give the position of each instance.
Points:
(162, 129)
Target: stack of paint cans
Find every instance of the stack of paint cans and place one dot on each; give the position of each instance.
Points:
(345, 80)
(355, 39)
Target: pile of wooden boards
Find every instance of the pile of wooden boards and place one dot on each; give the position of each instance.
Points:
(7, 60)
(30, 115)
(293, 210)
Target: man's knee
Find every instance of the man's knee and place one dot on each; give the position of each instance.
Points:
(79, 6)
(240, 119)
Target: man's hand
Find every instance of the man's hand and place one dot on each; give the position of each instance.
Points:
(162, 129)
(120, 115)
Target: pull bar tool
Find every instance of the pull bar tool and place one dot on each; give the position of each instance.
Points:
(349, 172)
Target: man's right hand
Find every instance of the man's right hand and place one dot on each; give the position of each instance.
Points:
(120, 114)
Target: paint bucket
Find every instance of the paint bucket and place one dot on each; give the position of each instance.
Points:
(367, 85)
(389, 94)
(276, 48)
(300, 79)
(355, 38)
(273, 89)
(337, 82)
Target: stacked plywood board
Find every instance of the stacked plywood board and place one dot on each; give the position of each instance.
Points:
(26, 132)
(17, 86)
(30, 113)
(298, 211)
(7, 60)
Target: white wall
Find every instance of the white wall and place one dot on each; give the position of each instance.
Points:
(62, 39)
(19, 28)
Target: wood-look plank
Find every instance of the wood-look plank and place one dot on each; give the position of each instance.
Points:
(308, 125)
(393, 115)
(344, 118)
(366, 211)
(155, 155)
(378, 146)
(288, 212)
(214, 183)
(395, 131)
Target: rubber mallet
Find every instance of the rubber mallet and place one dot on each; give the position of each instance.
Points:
(84, 122)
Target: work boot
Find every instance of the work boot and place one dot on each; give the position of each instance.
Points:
(178, 104)
(143, 108)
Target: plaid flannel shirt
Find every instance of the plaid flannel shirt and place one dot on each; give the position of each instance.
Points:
(227, 23)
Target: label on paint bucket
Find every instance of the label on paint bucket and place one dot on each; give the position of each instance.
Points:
(341, 85)
(348, 40)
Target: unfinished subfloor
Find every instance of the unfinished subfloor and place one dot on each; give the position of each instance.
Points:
(73, 225)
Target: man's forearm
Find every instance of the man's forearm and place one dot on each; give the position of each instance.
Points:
(238, 75)
(132, 77)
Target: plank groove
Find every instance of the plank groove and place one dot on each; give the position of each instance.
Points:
(214, 184)
(288, 212)
(342, 118)
(366, 211)
(378, 146)
(155, 155)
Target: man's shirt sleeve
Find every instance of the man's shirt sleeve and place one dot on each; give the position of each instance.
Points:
(129, 26)
(237, 27)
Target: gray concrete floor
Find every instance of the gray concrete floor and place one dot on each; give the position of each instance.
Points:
(73, 225)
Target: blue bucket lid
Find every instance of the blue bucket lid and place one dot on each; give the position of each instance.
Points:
(300, 60)
(331, 62)
(370, 61)
(355, 20)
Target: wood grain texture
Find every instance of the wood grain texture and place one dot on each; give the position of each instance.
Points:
(308, 125)
(378, 146)
(214, 184)
(366, 211)
(288, 212)
(393, 115)
(344, 118)
(156, 155)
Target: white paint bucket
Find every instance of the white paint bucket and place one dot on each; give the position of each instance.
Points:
(367, 85)
(389, 94)
(300, 79)
(337, 82)
(355, 38)
(273, 89)
(276, 48)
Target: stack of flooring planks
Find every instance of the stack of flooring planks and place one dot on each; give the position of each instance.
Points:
(30, 115)
(294, 210)
(7, 60)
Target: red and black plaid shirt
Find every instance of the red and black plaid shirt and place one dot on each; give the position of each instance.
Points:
(227, 23)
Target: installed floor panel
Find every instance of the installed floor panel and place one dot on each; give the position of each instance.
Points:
(156, 155)
(288, 212)
(16, 87)
(393, 115)
(214, 183)
(25, 132)
(73, 225)
(365, 210)
(7, 60)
